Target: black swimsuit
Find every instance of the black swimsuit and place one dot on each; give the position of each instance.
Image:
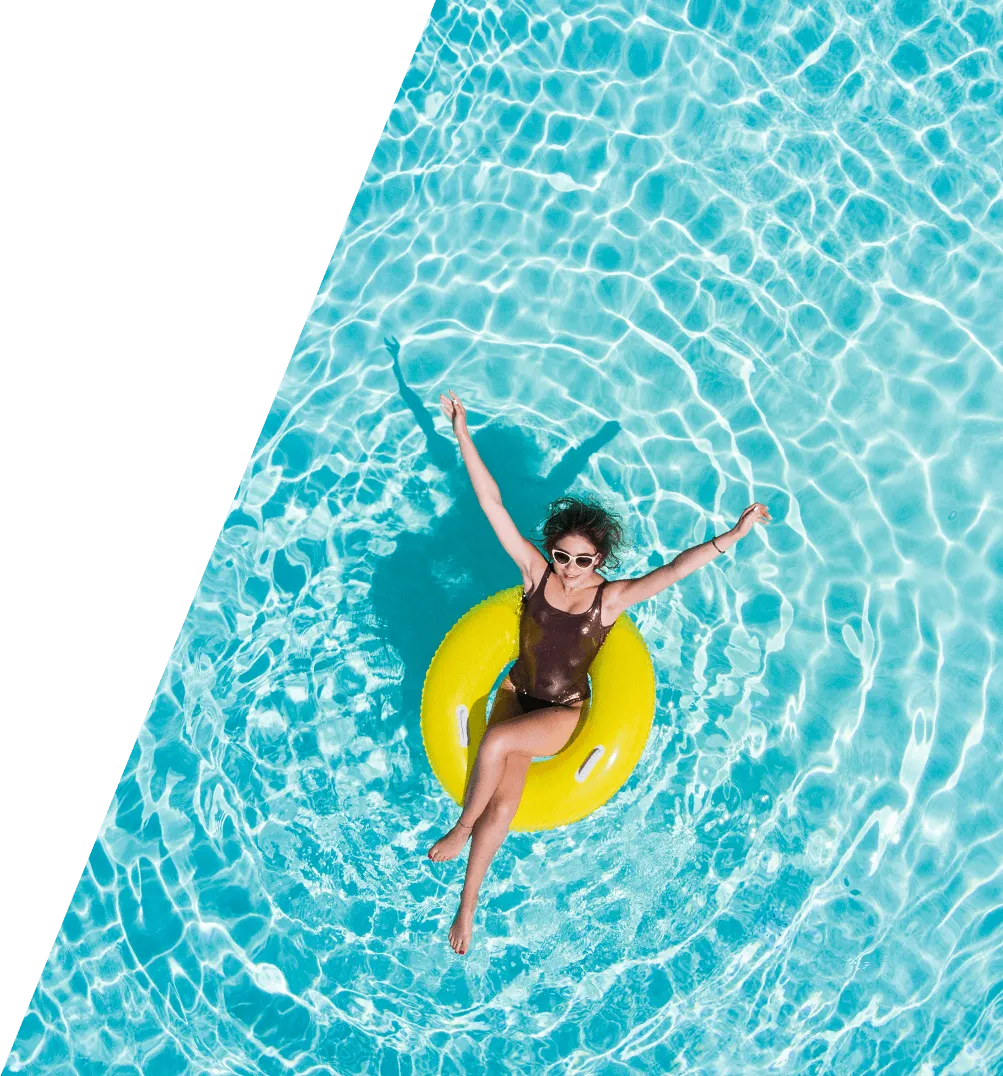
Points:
(556, 649)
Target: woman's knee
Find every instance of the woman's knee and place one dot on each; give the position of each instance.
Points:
(500, 811)
(497, 741)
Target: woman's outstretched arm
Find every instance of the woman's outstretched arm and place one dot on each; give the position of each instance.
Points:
(520, 549)
(484, 485)
(624, 592)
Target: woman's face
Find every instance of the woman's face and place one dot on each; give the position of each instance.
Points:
(575, 545)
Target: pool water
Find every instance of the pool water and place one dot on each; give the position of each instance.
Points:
(687, 256)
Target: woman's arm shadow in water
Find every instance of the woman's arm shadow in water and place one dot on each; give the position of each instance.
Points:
(432, 577)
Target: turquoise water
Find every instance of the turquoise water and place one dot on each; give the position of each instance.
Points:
(686, 256)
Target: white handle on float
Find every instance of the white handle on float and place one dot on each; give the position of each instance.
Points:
(589, 764)
(461, 720)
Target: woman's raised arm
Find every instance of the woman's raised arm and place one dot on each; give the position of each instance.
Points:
(485, 486)
(625, 592)
(520, 549)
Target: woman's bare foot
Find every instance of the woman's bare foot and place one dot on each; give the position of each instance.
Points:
(461, 931)
(450, 846)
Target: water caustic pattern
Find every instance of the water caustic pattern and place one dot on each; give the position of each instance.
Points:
(686, 255)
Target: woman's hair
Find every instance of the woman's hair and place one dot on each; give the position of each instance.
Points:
(588, 517)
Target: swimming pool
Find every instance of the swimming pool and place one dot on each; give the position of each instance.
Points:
(685, 255)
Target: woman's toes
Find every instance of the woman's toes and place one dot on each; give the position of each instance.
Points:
(460, 932)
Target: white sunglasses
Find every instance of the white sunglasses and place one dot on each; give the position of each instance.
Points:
(583, 560)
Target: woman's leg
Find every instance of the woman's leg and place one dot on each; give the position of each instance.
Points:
(489, 833)
(506, 706)
(542, 732)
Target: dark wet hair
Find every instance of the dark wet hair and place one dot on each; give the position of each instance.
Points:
(589, 517)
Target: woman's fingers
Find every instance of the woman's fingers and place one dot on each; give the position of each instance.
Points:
(453, 409)
(755, 513)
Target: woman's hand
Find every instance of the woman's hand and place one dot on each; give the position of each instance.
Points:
(755, 513)
(455, 412)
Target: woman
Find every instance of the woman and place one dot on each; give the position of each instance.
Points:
(567, 612)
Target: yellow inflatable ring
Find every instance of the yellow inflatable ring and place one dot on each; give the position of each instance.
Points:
(605, 746)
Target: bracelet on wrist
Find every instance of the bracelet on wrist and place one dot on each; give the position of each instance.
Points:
(715, 545)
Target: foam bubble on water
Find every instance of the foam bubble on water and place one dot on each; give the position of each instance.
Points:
(270, 720)
(260, 488)
(433, 102)
(561, 181)
(269, 978)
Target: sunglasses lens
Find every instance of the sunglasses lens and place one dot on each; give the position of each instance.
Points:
(561, 557)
